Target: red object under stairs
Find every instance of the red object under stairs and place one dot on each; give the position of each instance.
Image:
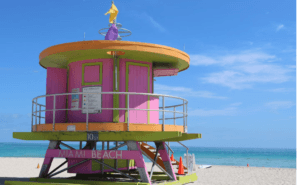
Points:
(150, 151)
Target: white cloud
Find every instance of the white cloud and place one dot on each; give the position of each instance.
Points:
(244, 69)
(164, 89)
(202, 60)
(279, 27)
(245, 76)
(244, 57)
(280, 90)
(229, 111)
(154, 23)
(280, 104)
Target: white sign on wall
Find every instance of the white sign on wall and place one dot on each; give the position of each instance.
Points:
(75, 99)
(91, 101)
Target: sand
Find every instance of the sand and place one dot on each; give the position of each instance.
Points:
(23, 168)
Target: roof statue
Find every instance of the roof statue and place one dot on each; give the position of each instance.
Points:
(113, 32)
(113, 11)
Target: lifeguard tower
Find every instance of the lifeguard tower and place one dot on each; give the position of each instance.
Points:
(102, 91)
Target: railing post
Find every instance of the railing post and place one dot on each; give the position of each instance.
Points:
(102, 160)
(32, 116)
(87, 111)
(54, 112)
(174, 115)
(116, 160)
(127, 112)
(186, 111)
(40, 115)
(187, 154)
(184, 126)
(36, 113)
(163, 103)
(187, 159)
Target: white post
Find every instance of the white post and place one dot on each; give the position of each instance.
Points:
(102, 160)
(174, 115)
(36, 113)
(32, 116)
(40, 115)
(184, 116)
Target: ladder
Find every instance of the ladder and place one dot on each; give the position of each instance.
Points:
(150, 151)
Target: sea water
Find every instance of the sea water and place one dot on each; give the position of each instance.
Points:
(255, 157)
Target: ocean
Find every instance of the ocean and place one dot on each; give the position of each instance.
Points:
(255, 157)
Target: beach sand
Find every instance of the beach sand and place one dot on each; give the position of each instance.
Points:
(21, 169)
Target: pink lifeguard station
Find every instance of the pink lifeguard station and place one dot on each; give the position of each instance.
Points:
(102, 91)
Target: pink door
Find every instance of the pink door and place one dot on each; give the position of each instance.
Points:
(138, 82)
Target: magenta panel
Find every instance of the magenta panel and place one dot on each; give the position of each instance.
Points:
(56, 84)
(75, 156)
(75, 78)
(93, 154)
(86, 168)
(91, 73)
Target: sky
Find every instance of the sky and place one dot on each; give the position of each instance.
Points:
(241, 83)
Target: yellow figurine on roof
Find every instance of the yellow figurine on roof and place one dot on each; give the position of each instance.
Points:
(113, 11)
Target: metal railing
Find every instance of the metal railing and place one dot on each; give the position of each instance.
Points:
(187, 155)
(127, 109)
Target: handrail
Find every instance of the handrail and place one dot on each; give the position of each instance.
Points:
(127, 109)
(119, 109)
(187, 155)
(169, 148)
(173, 106)
(122, 93)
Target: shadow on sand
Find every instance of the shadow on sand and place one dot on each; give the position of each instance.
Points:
(3, 179)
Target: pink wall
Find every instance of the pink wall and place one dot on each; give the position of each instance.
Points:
(75, 79)
(154, 115)
(56, 83)
(138, 82)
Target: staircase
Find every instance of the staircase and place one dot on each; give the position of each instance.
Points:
(150, 151)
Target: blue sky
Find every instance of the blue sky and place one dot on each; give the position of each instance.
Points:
(241, 84)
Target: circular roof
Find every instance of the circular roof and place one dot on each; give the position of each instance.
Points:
(61, 55)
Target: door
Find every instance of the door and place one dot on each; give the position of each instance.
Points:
(138, 82)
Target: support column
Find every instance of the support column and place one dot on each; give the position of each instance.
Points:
(48, 160)
(165, 158)
(140, 163)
